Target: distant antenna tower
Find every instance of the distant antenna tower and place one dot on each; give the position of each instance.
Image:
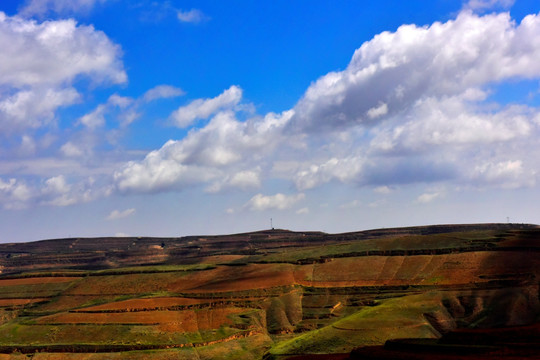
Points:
(508, 220)
(271, 225)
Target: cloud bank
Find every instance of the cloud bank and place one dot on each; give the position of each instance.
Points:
(412, 106)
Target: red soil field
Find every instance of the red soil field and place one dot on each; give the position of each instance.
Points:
(151, 303)
(217, 259)
(458, 268)
(184, 321)
(234, 278)
(70, 302)
(17, 302)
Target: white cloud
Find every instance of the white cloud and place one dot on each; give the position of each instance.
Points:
(377, 111)
(450, 121)
(244, 180)
(411, 107)
(117, 214)
(62, 7)
(53, 191)
(56, 185)
(203, 108)
(39, 63)
(193, 16)
(444, 59)
(507, 174)
(119, 101)
(126, 109)
(162, 91)
(14, 193)
(278, 201)
(94, 119)
(31, 109)
(69, 149)
(346, 169)
(225, 153)
(302, 211)
(55, 52)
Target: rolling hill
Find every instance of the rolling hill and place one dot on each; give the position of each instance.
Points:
(273, 294)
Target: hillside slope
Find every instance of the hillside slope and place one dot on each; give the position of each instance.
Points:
(273, 293)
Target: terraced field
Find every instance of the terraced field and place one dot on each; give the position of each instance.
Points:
(275, 294)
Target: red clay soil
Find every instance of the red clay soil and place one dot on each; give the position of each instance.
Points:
(184, 321)
(459, 268)
(144, 304)
(18, 302)
(233, 278)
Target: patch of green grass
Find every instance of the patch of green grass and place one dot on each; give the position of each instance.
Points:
(152, 269)
(393, 318)
(409, 242)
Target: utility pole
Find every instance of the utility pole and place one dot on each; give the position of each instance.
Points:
(271, 225)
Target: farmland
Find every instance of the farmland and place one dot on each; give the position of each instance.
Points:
(275, 293)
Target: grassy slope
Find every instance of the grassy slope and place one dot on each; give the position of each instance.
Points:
(393, 318)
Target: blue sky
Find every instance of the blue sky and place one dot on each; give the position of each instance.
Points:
(174, 118)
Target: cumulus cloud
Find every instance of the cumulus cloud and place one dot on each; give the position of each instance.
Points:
(13, 193)
(193, 16)
(117, 214)
(55, 52)
(53, 191)
(39, 63)
(203, 108)
(61, 7)
(412, 106)
(278, 201)
(450, 121)
(33, 108)
(398, 69)
(415, 102)
(225, 153)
